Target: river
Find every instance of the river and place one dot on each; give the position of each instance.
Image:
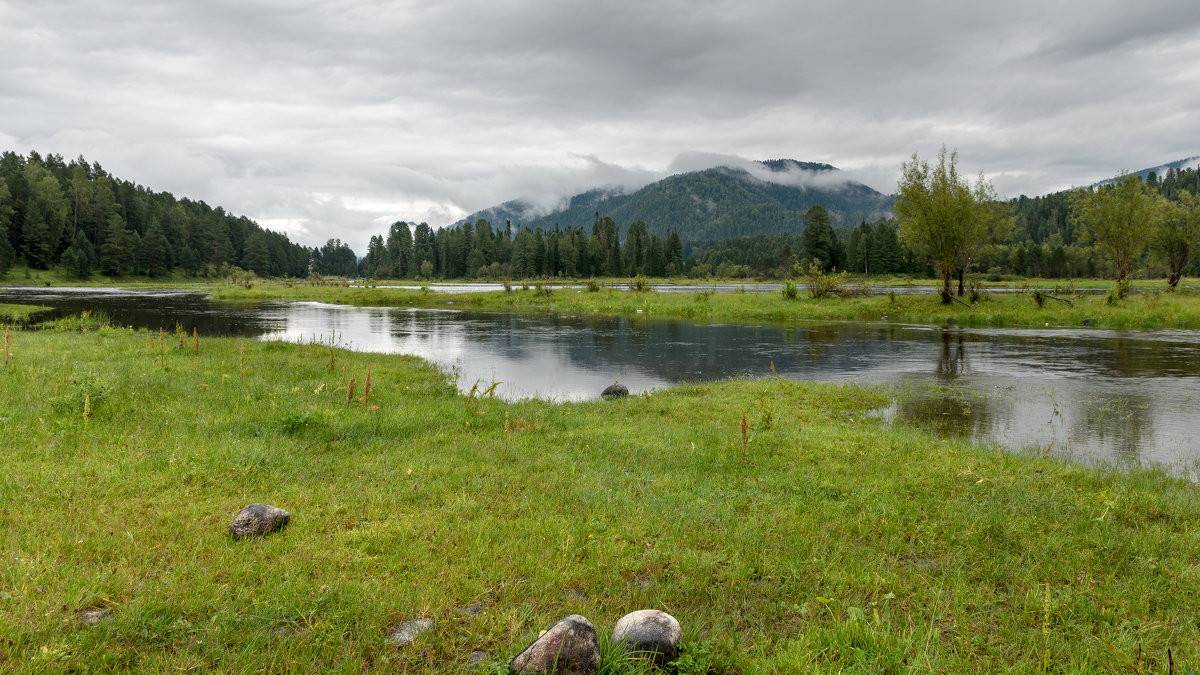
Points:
(1123, 397)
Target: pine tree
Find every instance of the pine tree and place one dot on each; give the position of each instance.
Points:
(8, 255)
(256, 257)
(818, 239)
(80, 257)
(400, 246)
(45, 216)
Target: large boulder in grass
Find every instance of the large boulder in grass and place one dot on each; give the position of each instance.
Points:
(258, 519)
(570, 647)
(649, 632)
(615, 390)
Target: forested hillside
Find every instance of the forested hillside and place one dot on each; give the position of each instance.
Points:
(716, 204)
(78, 215)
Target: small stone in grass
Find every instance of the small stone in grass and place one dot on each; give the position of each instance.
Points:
(405, 633)
(258, 519)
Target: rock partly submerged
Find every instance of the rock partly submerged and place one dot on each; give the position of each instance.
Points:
(615, 390)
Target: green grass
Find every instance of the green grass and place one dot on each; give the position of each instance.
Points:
(835, 543)
(1144, 309)
(18, 313)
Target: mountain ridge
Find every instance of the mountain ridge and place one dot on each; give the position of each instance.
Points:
(721, 202)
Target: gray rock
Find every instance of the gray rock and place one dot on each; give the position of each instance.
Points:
(570, 647)
(477, 657)
(258, 519)
(615, 390)
(572, 594)
(405, 633)
(93, 615)
(649, 632)
(473, 610)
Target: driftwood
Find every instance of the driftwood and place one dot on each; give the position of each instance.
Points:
(952, 297)
(1063, 300)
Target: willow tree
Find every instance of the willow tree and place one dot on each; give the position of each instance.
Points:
(1178, 235)
(943, 216)
(1120, 218)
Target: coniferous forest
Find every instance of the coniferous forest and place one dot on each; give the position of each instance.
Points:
(77, 215)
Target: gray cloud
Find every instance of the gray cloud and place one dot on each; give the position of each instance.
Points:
(333, 118)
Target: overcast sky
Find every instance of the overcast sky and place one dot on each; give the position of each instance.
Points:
(336, 118)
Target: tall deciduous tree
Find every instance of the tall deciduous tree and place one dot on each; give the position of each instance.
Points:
(942, 216)
(1178, 235)
(1120, 218)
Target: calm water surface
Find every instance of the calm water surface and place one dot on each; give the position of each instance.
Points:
(1123, 397)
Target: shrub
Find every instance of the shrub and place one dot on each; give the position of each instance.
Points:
(821, 283)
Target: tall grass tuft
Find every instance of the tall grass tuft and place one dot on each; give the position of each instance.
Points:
(471, 394)
(7, 343)
(195, 341)
(242, 363)
(350, 391)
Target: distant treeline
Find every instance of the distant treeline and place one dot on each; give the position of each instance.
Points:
(477, 250)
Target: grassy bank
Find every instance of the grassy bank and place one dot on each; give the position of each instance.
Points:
(17, 313)
(1150, 305)
(817, 539)
(1141, 310)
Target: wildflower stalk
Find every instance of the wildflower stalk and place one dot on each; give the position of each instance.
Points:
(367, 389)
(745, 435)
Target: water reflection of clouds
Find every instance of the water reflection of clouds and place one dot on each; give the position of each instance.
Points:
(527, 361)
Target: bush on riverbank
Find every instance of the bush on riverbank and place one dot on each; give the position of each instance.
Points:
(833, 543)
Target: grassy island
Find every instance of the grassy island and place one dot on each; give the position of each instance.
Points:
(784, 526)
